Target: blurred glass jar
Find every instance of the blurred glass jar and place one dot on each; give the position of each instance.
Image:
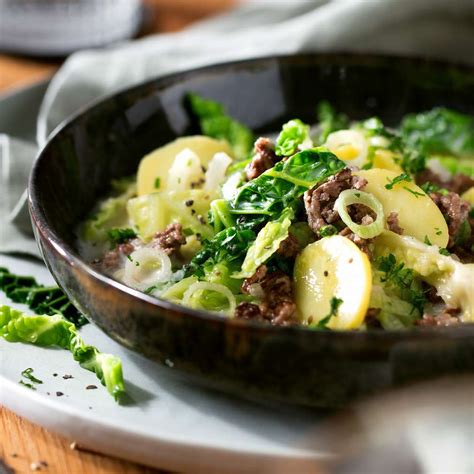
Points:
(59, 27)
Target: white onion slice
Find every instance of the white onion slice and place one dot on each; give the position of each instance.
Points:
(216, 170)
(146, 267)
(229, 188)
(339, 141)
(217, 287)
(185, 170)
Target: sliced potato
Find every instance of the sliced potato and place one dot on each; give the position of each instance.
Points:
(385, 159)
(153, 169)
(151, 213)
(418, 215)
(333, 267)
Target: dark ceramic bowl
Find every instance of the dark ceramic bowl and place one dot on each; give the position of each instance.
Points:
(293, 364)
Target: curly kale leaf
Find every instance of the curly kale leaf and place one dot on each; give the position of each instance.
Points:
(40, 299)
(439, 131)
(281, 186)
(215, 123)
(55, 331)
(329, 120)
(294, 133)
(230, 246)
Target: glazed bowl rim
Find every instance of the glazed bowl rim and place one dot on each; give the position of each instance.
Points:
(73, 258)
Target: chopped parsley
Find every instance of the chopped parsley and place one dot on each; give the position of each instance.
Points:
(427, 241)
(429, 188)
(335, 303)
(396, 180)
(120, 236)
(157, 183)
(438, 231)
(415, 193)
(27, 385)
(28, 374)
(444, 252)
(403, 280)
(327, 230)
(413, 161)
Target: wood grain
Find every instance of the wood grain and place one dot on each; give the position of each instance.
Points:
(163, 16)
(24, 445)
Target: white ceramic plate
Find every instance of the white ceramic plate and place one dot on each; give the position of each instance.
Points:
(167, 423)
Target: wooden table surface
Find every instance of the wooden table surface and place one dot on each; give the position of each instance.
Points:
(25, 447)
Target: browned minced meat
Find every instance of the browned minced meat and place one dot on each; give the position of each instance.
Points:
(290, 247)
(277, 306)
(392, 222)
(454, 209)
(170, 240)
(363, 244)
(264, 159)
(459, 183)
(448, 317)
(247, 311)
(319, 201)
(112, 259)
(371, 318)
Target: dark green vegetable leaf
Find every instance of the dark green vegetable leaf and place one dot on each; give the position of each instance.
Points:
(439, 131)
(293, 134)
(281, 186)
(216, 124)
(40, 299)
(55, 331)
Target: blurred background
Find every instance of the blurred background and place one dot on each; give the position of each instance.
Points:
(36, 35)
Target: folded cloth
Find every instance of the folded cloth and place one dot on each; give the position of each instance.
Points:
(434, 28)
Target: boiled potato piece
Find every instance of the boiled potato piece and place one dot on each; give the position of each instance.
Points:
(386, 159)
(153, 168)
(418, 215)
(153, 212)
(333, 267)
(469, 195)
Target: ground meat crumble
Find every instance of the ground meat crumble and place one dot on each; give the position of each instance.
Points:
(392, 223)
(170, 240)
(277, 305)
(319, 201)
(447, 317)
(264, 158)
(319, 205)
(455, 210)
(458, 183)
(290, 247)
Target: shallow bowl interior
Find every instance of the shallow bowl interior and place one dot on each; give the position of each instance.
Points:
(296, 365)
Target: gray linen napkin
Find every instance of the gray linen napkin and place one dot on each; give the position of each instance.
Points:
(434, 28)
